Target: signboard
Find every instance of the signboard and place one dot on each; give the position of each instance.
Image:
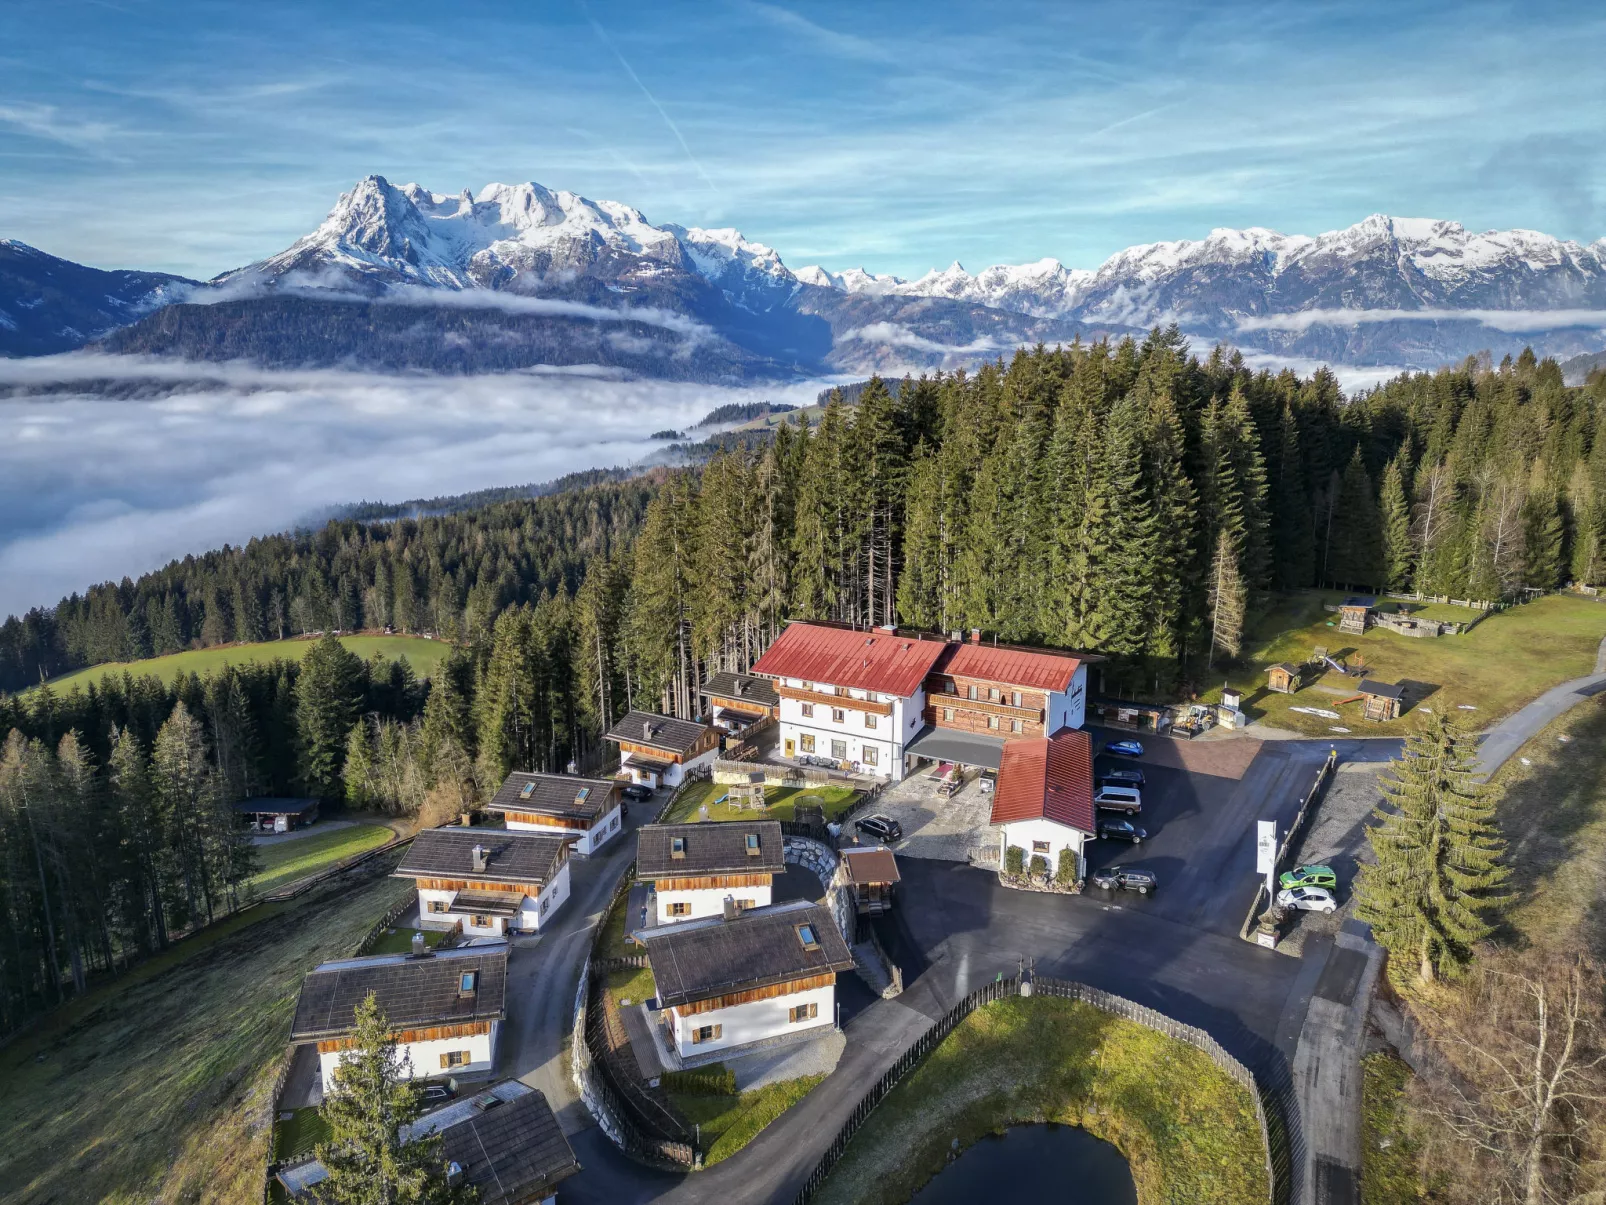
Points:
(1266, 850)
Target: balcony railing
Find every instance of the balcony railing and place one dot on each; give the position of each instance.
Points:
(822, 699)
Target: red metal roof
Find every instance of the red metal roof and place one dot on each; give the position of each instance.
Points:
(1049, 778)
(874, 660)
(1016, 667)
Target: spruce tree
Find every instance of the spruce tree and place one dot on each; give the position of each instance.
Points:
(1396, 518)
(1227, 602)
(1293, 532)
(1123, 607)
(358, 772)
(367, 1161)
(329, 698)
(1438, 869)
(1355, 555)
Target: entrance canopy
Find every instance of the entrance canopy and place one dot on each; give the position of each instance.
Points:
(949, 744)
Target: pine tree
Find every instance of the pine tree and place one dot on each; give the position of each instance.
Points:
(1355, 555)
(1398, 548)
(1228, 601)
(329, 698)
(358, 772)
(1293, 532)
(1438, 871)
(374, 1097)
(1123, 608)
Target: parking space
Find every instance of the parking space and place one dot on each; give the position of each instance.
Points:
(934, 826)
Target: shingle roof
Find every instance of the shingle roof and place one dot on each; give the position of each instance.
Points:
(413, 992)
(742, 688)
(1386, 690)
(713, 847)
(871, 866)
(1015, 667)
(511, 856)
(513, 1153)
(1049, 778)
(697, 960)
(877, 660)
(555, 795)
(657, 731)
(276, 806)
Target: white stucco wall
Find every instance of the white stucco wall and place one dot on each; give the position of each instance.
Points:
(707, 901)
(533, 912)
(607, 827)
(754, 1021)
(424, 1058)
(1024, 832)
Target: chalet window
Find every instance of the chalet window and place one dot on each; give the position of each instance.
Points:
(992, 694)
(808, 711)
(992, 721)
(1015, 725)
(839, 750)
(971, 692)
(869, 720)
(481, 922)
(803, 1012)
(743, 905)
(751, 842)
(545, 903)
(706, 1033)
(1014, 698)
(806, 741)
(680, 908)
(677, 847)
(455, 1058)
(948, 714)
(948, 687)
(527, 790)
(838, 716)
(806, 935)
(1039, 847)
(467, 982)
(870, 755)
(437, 905)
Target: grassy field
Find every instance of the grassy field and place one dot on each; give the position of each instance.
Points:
(286, 861)
(157, 1089)
(728, 1123)
(400, 941)
(781, 801)
(423, 655)
(1509, 659)
(1389, 1144)
(1188, 1130)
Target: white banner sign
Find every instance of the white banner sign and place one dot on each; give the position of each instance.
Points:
(1265, 846)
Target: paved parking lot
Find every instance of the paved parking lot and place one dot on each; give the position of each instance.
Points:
(934, 827)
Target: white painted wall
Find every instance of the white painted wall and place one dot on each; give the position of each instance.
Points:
(887, 738)
(753, 1021)
(1024, 832)
(1068, 710)
(707, 901)
(533, 911)
(540, 911)
(605, 829)
(425, 1057)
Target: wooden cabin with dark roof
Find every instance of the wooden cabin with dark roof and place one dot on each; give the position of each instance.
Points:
(870, 875)
(659, 750)
(488, 881)
(727, 983)
(695, 868)
(1381, 700)
(587, 812)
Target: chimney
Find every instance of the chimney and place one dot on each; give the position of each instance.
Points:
(975, 635)
(646, 729)
(479, 857)
(730, 908)
(420, 947)
(572, 768)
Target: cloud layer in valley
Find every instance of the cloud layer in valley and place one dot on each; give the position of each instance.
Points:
(92, 487)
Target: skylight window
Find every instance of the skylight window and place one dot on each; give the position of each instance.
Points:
(467, 982)
(752, 845)
(582, 795)
(677, 847)
(806, 935)
(527, 790)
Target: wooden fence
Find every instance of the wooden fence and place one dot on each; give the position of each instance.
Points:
(1278, 1162)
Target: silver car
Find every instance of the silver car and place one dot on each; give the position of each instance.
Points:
(1307, 899)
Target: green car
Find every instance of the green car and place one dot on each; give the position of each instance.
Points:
(1308, 876)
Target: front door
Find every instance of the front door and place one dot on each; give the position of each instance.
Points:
(791, 747)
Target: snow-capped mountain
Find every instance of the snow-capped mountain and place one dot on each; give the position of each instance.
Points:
(50, 305)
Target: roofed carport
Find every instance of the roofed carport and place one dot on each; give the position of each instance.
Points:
(967, 748)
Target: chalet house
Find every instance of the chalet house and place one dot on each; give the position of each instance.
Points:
(1006, 692)
(870, 873)
(655, 750)
(727, 983)
(489, 881)
(585, 811)
(277, 815)
(444, 1009)
(695, 868)
(738, 701)
(505, 1143)
(1044, 798)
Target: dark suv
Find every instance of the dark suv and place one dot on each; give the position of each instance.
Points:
(636, 793)
(882, 828)
(1113, 877)
(1119, 778)
(1123, 830)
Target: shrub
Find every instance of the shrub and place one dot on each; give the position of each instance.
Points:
(1039, 866)
(1066, 874)
(1015, 861)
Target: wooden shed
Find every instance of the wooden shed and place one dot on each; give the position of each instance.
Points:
(872, 875)
(1283, 678)
(1382, 699)
(1355, 613)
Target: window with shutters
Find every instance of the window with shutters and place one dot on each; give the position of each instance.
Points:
(1015, 725)
(481, 922)
(803, 1012)
(992, 694)
(455, 1058)
(1014, 699)
(806, 742)
(992, 721)
(971, 692)
(437, 905)
(680, 908)
(1039, 847)
(948, 715)
(706, 1033)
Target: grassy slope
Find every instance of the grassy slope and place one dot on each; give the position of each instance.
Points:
(157, 1090)
(424, 655)
(781, 802)
(285, 861)
(1189, 1131)
(728, 1123)
(1507, 660)
(1389, 1145)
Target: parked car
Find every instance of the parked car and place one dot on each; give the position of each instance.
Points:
(435, 1094)
(1119, 799)
(637, 793)
(1129, 776)
(1113, 877)
(1308, 876)
(1307, 899)
(881, 828)
(1123, 830)
(1125, 748)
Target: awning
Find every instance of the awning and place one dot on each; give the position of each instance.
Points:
(639, 761)
(948, 744)
(488, 903)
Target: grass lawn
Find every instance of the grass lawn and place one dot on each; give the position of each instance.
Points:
(1188, 1130)
(156, 1090)
(422, 654)
(782, 802)
(1389, 1145)
(1508, 660)
(286, 861)
(728, 1123)
(304, 1131)
(401, 941)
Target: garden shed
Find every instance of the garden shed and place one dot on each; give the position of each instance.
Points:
(1283, 678)
(1382, 699)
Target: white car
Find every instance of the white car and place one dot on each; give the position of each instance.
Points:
(1308, 899)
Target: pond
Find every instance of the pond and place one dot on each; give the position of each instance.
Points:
(1059, 1163)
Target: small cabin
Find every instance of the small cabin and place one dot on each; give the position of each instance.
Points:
(1382, 700)
(871, 875)
(659, 751)
(277, 815)
(1354, 614)
(1283, 678)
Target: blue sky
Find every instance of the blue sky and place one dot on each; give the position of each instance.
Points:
(194, 137)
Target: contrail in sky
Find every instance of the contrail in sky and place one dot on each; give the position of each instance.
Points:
(651, 99)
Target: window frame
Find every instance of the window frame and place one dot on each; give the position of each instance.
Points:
(805, 742)
(870, 755)
(839, 750)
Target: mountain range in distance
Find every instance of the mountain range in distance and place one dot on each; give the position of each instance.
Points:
(400, 278)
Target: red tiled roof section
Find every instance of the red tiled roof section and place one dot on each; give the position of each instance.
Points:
(1017, 667)
(1050, 778)
(874, 660)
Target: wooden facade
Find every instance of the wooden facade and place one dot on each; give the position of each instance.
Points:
(568, 822)
(1284, 679)
(705, 742)
(824, 698)
(972, 715)
(731, 999)
(404, 1037)
(711, 882)
(530, 889)
(744, 706)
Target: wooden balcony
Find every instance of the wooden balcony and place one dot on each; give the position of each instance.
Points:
(822, 699)
(985, 707)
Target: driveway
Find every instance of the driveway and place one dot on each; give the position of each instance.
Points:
(937, 827)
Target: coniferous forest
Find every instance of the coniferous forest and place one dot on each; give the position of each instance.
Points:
(1128, 499)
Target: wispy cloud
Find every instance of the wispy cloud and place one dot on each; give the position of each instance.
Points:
(1513, 321)
(835, 41)
(49, 122)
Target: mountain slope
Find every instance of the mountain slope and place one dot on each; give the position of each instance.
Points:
(50, 305)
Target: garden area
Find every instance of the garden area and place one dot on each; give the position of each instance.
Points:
(1510, 658)
(727, 1119)
(780, 803)
(283, 862)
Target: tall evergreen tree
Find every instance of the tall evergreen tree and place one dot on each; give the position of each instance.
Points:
(329, 698)
(1398, 548)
